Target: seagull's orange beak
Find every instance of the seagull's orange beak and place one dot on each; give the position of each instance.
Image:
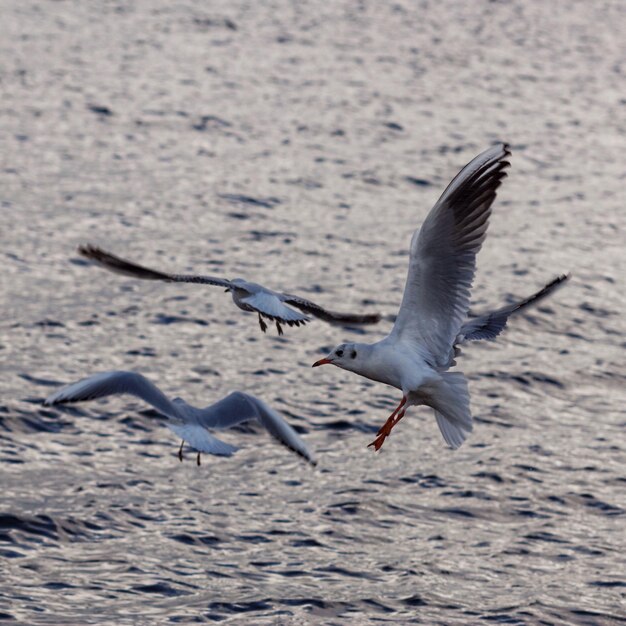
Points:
(321, 362)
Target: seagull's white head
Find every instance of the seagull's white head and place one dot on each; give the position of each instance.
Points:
(347, 356)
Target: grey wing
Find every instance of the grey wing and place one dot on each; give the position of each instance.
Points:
(490, 325)
(332, 317)
(115, 383)
(239, 407)
(227, 412)
(443, 257)
(281, 430)
(118, 265)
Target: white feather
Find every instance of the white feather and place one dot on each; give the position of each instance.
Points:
(442, 259)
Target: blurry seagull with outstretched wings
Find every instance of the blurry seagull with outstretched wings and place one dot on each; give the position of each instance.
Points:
(188, 422)
(282, 308)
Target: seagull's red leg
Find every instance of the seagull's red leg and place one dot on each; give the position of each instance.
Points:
(378, 442)
(385, 429)
(398, 418)
(387, 426)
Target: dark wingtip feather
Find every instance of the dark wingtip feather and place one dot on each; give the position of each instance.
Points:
(505, 147)
(86, 250)
(357, 320)
(552, 286)
(304, 455)
(120, 266)
(92, 252)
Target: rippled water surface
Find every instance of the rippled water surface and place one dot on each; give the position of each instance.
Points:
(300, 144)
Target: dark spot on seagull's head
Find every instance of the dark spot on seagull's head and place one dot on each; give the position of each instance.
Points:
(344, 356)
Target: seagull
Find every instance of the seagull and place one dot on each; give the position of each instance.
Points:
(433, 317)
(248, 296)
(188, 422)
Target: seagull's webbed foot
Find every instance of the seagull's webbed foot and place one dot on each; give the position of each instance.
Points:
(378, 442)
(386, 431)
(198, 460)
(386, 428)
(262, 324)
(180, 451)
(279, 328)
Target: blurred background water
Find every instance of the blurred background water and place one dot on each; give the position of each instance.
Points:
(300, 144)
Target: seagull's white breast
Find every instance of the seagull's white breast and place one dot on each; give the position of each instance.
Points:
(394, 365)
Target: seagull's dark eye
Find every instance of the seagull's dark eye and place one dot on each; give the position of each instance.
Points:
(353, 355)
(339, 353)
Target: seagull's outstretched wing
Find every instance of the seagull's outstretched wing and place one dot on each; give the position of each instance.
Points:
(490, 325)
(134, 384)
(280, 429)
(115, 383)
(258, 298)
(240, 407)
(443, 257)
(128, 268)
(325, 315)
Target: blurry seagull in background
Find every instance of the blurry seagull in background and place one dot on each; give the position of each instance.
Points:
(188, 422)
(433, 317)
(251, 297)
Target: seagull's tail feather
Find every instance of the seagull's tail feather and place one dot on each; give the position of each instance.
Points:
(451, 403)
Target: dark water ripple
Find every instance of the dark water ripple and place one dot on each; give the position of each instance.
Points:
(300, 145)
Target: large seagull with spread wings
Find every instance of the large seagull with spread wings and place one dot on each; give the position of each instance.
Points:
(434, 315)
